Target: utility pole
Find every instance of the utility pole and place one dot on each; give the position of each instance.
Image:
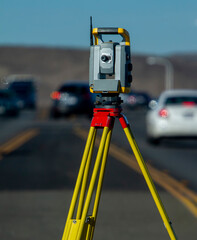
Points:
(169, 70)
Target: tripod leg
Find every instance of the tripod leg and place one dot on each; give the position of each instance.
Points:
(101, 176)
(148, 180)
(85, 179)
(79, 180)
(92, 182)
(92, 218)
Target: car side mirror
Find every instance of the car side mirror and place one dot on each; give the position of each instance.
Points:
(153, 104)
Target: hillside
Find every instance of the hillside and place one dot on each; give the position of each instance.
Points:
(52, 66)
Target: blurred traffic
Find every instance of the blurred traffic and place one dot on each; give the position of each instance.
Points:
(175, 115)
(72, 98)
(136, 99)
(18, 92)
(25, 90)
(9, 103)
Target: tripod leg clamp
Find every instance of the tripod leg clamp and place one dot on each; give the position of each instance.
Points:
(88, 229)
(123, 121)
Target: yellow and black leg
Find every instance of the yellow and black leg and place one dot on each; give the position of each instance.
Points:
(82, 226)
(147, 176)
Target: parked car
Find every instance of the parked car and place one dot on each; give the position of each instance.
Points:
(25, 90)
(9, 104)
(136, 99)
(175, 115)
(72, 98)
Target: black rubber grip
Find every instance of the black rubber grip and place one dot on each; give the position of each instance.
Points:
(107, 30)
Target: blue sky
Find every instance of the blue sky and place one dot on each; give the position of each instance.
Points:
(155, 26)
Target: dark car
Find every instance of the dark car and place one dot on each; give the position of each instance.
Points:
(25, 91)
(72, 98)
(8, 103)
(136, 99)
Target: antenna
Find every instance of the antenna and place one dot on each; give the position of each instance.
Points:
(91, 37)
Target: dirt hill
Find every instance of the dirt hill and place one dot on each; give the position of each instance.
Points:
(52, 66)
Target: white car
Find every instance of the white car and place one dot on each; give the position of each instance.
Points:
(175, 115)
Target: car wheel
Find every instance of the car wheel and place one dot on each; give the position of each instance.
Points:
(154, 141)
(55, 114)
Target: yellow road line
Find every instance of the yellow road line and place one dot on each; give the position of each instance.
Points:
(174, 187)
(18, 141)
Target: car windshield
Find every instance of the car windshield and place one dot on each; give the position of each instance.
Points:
(21, 85)
(181, 100)
(74, 89)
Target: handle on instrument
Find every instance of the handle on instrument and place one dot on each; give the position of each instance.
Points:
(112, 31)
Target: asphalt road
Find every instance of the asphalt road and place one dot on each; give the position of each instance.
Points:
(39, 161)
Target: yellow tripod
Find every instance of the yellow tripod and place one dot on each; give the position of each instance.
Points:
(81, 227)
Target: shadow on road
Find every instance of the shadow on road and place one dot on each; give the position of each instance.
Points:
(179, 143)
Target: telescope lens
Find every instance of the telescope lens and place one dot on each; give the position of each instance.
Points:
(105, 58)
